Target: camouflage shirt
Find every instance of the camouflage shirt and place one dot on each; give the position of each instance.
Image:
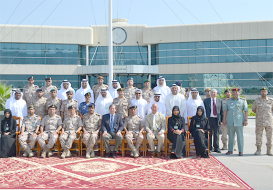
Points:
(57, 102)
(263, 109)
(122, 106)
(92, 122)
(51, 124)
(47, 90)
(71, 124)
(40, 106)
(133, 123)
(29, 92)
(66, 103)
(96, 90)
(129, 93)
(30, 123)
(147, 94)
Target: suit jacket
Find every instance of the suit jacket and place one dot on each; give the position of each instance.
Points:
(105, 123)
(219, 109)
(159, 120)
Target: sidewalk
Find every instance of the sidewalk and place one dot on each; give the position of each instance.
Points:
(256, 171)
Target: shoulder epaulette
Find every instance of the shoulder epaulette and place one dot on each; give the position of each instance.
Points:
(76, 100)
(97, 114)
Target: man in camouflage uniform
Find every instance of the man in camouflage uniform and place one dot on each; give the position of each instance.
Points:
(29, 91)
(96, 88)
(91, 129)
(68, 102)
(50, 126)
(147, 92)
(182, 90)
(30, 127)
(53, 100)
(134, 126)
(71, 126)
(263, 107)
(121, 103)
(129, 91)
(39, 103)
(224, 128)
(47, 89)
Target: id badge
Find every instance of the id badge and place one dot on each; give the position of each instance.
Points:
(197, 126)
(33, 124)
(7, 128)
(175, 127)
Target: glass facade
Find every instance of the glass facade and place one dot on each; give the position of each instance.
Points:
(19, 81)
(249, 82)
(34, 53)
(212, 52)
(122, 55)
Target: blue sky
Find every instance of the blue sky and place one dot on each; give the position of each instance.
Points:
(148, 12)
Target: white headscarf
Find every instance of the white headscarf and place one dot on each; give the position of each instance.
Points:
(192, 105)
(161, 105)
(18, 107)
(9, 101)
(102, 104)
(163, 90)
(113, 92)
(81, 92)
(62, 93)
(198, 96)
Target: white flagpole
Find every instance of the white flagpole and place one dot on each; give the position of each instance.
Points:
(110, 45)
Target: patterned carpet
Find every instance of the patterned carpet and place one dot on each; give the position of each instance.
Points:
(119, 173)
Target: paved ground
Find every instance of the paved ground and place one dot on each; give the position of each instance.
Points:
(256, 171)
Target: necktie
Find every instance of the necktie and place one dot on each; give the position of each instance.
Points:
(214, 108)
(112, 124)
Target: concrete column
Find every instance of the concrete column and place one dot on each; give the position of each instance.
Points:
(149, 58)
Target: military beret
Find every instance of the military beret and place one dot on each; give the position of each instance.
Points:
(71, 107)
(114, 81)
(207, 89)
(100, 77)
(65, 81)
(87, 94)
(52, 106)
(30, 78)
(133, 107)
(31, 106)
(263, 89)
(69, 91)
(84, 80)
(194, 90)
(103, 90)
(147, 80)
(92, 105)
(120, 89)
(235, 89)
(178, 83)
(39, 90)
(48, 78)
(227, 90)
(53, 90)
(130, 79)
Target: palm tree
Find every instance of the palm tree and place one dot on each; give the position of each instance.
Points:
(5, 91)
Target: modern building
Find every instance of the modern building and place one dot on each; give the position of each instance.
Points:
(201, 55)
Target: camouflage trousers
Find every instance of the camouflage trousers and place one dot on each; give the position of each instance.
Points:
(47, 135)
(224, 137)
(27, 136)
(130, 136)
(151, 138)
(259, 135)
(66, 140)
(89, 139)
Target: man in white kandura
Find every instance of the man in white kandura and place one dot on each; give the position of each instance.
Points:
(113, 89)
(161, 106)
(162, 88)
(140, 103)
(193, 103)
(65, 86)
(175, 99)
(80, 94)
(103, 102)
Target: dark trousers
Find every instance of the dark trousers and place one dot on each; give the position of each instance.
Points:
(215, 130)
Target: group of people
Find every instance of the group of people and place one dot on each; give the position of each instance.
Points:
(113, 110)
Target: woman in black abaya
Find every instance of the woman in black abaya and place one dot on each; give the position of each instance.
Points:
(8, 129)
(176, 134)
(199, 128)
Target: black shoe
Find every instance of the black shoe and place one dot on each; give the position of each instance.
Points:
(108, 155)
(114, 154)
(172, 156)
(217, 150)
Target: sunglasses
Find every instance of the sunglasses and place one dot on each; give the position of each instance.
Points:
(138, 93)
